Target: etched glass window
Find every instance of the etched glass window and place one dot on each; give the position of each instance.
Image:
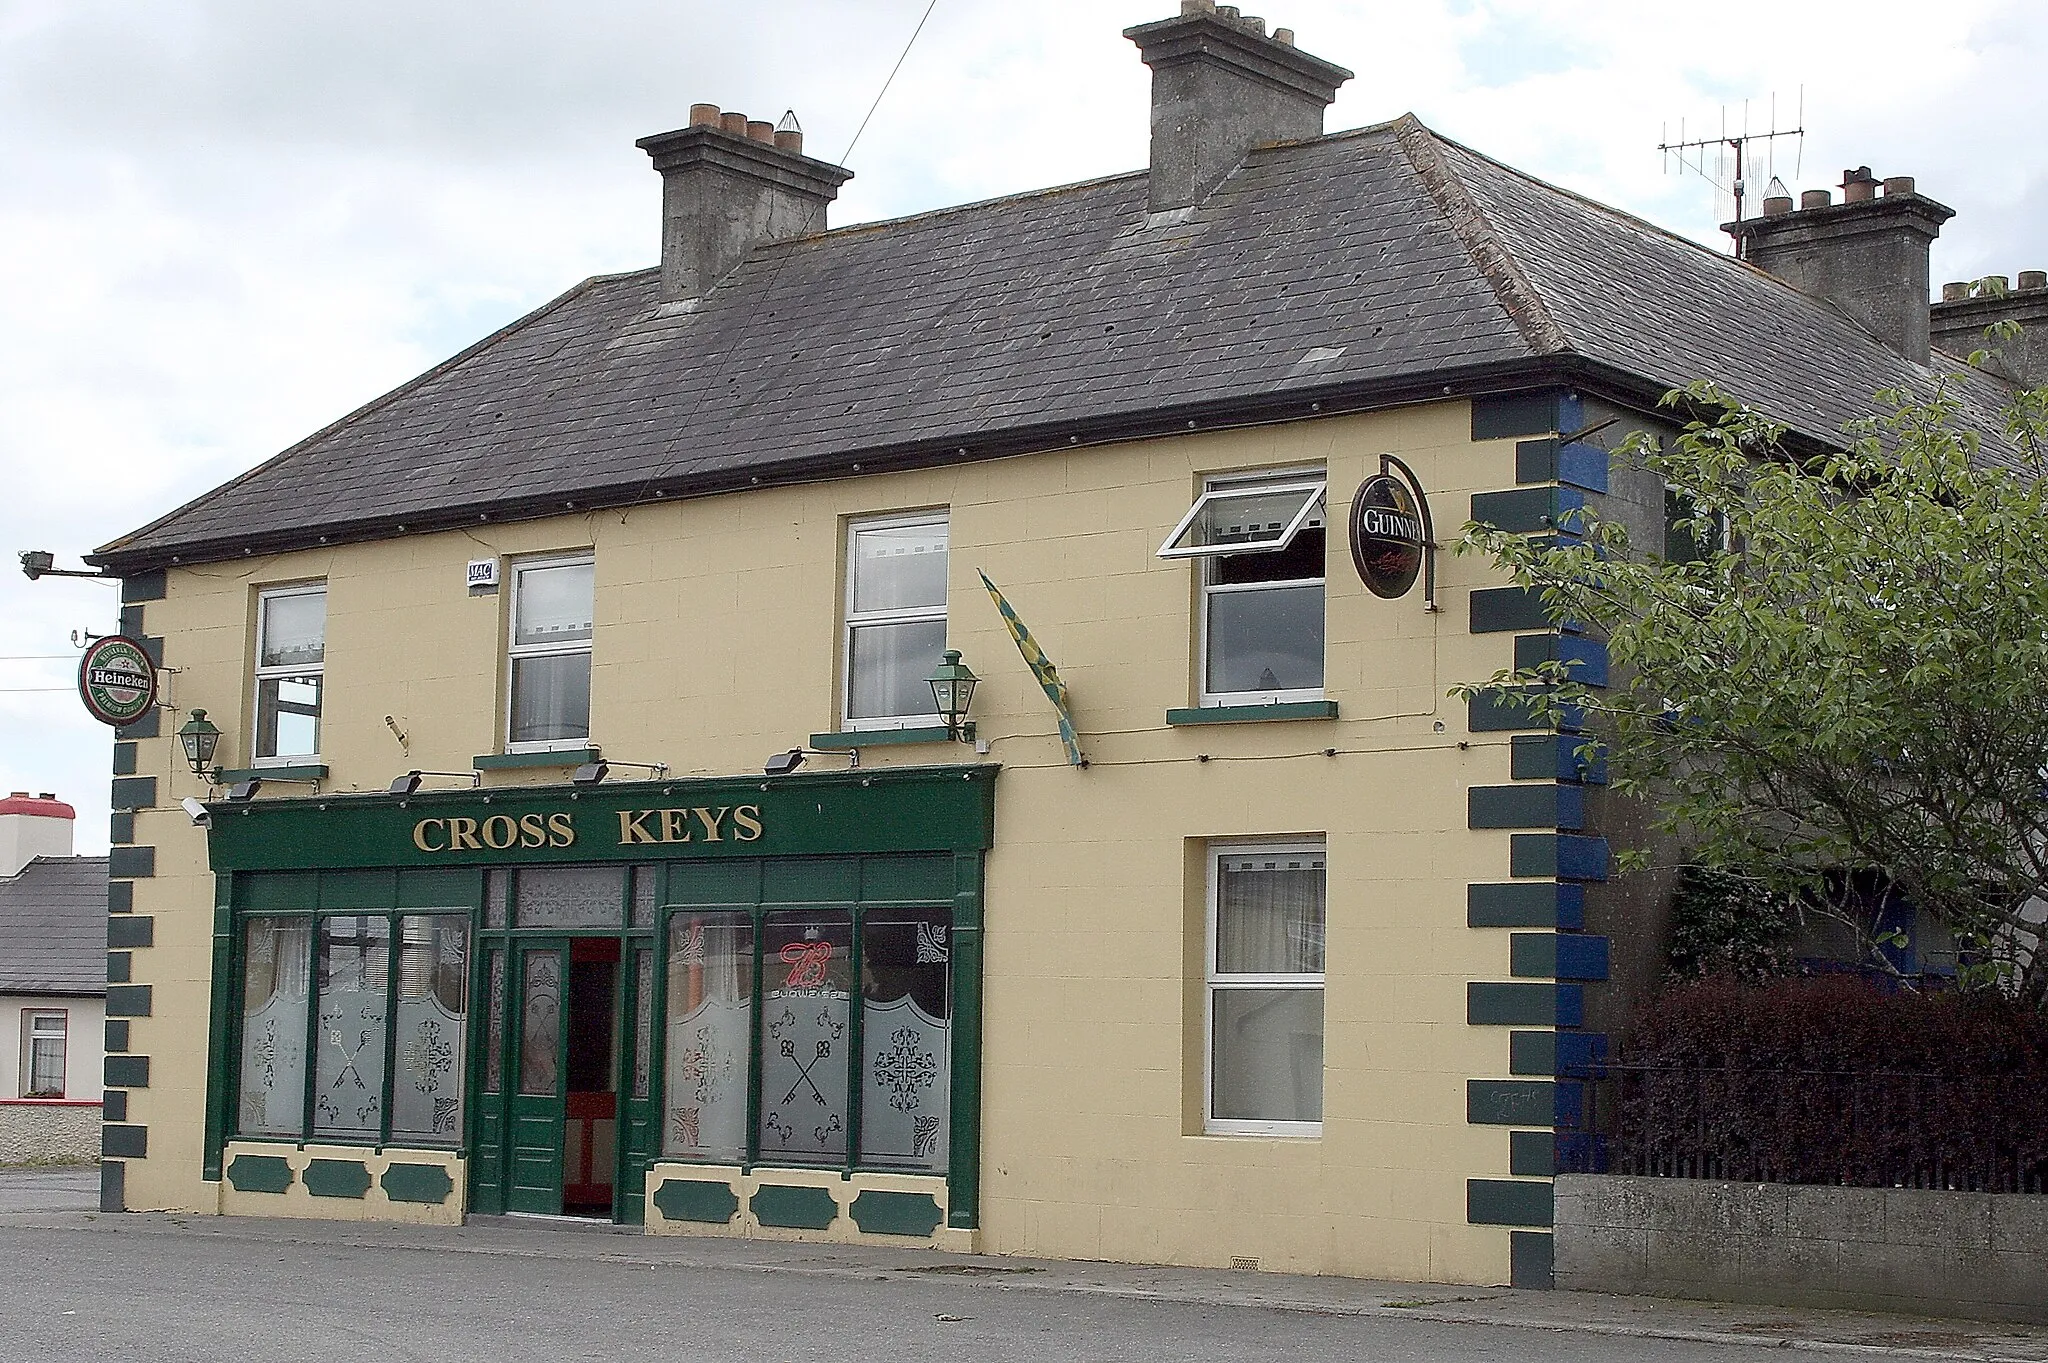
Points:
(552, 623)
(895, 619)
(540, 1031)
(572, 897)
(433, 1011)
(710, 1005)
(1267, 913)
(348, 1059)
(906, 1029)
(643, 1022)
(806, 1006)
(494, 1022)
(277, 954)
(291, 661)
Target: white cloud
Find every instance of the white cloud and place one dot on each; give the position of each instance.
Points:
(224, 223)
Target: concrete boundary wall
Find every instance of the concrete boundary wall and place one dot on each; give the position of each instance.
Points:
(38, 1131)
(1983, 1256)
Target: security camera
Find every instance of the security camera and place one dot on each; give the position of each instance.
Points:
(197, 812)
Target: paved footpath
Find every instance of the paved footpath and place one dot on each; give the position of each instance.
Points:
(156, 1288)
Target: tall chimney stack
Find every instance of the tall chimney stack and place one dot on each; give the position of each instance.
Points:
(1221, 86)
(729, 183)
(33, 826)
(1867, 255)
(1964, 311)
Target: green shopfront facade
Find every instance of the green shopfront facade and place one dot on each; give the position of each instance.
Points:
(730, 1005)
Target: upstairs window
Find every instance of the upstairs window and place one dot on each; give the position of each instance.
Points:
(552, 610)
(1265, 987)
(291, 661)
(1260, 544)
(895, 620)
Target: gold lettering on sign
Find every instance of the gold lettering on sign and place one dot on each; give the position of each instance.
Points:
(633, 827)
(710, 818)
(462, 836)
(746, 823)
(561, 832)
(675, 825)
(533, 831)
(500, 831)
(420, 833)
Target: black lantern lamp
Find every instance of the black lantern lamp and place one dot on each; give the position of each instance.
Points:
(953, 691)
(200, 738)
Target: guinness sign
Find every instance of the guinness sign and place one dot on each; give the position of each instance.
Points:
(116, 680)
(1389, 535)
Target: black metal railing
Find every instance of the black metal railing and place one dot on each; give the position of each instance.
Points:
(1978, 1132)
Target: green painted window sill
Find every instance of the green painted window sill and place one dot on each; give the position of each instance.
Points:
(881, 738)
(308, 771)
(1252, 714)
(560, 757)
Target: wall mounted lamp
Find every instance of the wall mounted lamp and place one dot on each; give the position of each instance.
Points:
(200, 738)
(591, 773)
(410, 781)
(783, 763)
(241, 792)
(953, 686)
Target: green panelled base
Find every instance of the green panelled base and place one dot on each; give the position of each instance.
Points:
(424, 1183)
(337, 1178)
(259, 1174)
(882, 1213)
(696, 1199)
(794, 1208)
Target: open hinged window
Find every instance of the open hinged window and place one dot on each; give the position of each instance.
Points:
(1246, 519)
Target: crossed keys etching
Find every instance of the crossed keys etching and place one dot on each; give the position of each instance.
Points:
(803, 1069)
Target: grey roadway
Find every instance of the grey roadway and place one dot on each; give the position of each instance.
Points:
(156, 1288)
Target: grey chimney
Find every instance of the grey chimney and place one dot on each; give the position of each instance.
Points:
(1221, 86)
(729, 183)
(1867, 255)
(1963, 313)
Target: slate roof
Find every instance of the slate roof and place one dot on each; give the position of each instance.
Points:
(1040, 319)
(53, 927)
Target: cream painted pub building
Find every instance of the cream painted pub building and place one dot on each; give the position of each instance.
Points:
(586, 840)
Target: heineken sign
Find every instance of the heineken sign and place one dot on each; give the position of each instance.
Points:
(1387, 536)
(116, 680)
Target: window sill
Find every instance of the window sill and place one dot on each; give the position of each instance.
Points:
(1252, 714)
(554, 757)
(299, 771)
(880, 738)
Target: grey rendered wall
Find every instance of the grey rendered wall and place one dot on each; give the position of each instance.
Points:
(1978, 1255)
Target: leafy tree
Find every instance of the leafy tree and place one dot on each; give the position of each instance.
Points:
(1846, 682)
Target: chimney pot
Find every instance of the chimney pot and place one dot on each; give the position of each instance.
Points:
(1858, 186)
(1197, 6)
(1227, 12)
(761, 130)
(1897, 185)
(1284, 35)
(790, 141)
(705, 115)
(1994, 286)
(1254, 23)
(2033, 279)
(1778, 205)
(1955, 291)
(736, 124)
(1815, 198)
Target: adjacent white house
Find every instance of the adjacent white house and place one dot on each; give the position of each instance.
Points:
(53, 984)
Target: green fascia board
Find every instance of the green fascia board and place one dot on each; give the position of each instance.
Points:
(883, 738)
(1509, 1202)
(304, 771)
(337, 1178)
(697, 1199)
(794, 1208)
(428, 1184)
(885, 1213)
(510, 761)
(259, 1173)
(902, 809)
(1253, 714)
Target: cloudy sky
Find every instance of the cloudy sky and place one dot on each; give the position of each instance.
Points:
(225, 223)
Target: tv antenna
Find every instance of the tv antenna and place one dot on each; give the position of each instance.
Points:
(1733, 156)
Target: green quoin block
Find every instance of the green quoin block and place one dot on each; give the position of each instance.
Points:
(118, 965)
(794, 1208)
(1585, 660)
(114, 1105)
(1557, 757)
(129, 1000)
(1496, 610)
(425, 1183)
(127, 863)
(113, 1186)
(1499, 709)
(1525, 806)
(1511, 1102)
(124, 759)
(1528, 509)
(1555, 956)
(134, 792)
(1508, 1202)
(880, 1213)
(1558, 856)
(131, 930)
(1525, 904)
(696, 1199)
(1489, 1004)
(124, 1142)
(126, 1071)
(259, 1173)
(1575, 1053)
(1542, 412)
(1531, 1260)
(1532, 1154)
(149, 726)
(337, 1178)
